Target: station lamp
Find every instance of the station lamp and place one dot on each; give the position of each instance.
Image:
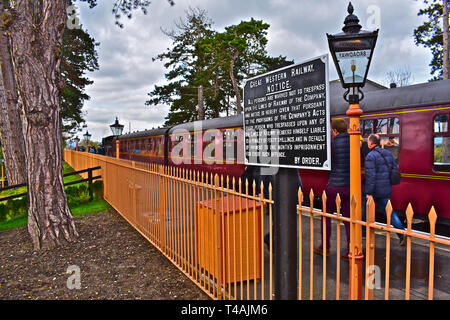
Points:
(116, 128)
(352, 52)
(87, 136)
(76, 140)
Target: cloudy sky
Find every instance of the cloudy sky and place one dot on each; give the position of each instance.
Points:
(297, 30)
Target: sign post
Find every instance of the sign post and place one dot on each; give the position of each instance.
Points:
(286, 127)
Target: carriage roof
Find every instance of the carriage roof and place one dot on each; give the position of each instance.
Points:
(418, 95)
(145, 133)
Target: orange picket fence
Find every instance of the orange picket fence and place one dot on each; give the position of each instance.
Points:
(212, 228)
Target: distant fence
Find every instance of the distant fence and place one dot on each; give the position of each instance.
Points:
(212, 228)
(90, 179)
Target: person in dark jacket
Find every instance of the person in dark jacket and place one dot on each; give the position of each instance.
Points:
(339, 181)
(377, 181)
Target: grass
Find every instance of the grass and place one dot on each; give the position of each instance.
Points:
(66, 169)
(96, 205)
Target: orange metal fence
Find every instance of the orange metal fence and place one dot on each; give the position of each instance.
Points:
(212, 228)
(429, 240)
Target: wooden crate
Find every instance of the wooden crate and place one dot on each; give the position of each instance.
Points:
(231, 257)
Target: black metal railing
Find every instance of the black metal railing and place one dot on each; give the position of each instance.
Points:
(89, 179)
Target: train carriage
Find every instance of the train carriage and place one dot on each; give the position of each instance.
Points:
(413, 122)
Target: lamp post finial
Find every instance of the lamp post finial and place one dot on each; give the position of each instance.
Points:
(351, 22)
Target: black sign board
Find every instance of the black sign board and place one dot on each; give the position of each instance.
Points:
(287, 117)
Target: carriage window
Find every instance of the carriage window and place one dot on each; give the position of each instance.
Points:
(391, 144)
(367, 128)
(389, 131)
(387, 126)
(230, 145)
(151, 145)
(179, 150)
(442, 154)
(393, 126)
(441, 123)
(191, 145)
(381, 126)
(137, 146)
(209, 147)
(441, 141)
(159, 146)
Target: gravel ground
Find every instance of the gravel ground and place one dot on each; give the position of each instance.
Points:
(110, 259)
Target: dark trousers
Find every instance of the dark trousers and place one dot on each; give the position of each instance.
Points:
(344, 194)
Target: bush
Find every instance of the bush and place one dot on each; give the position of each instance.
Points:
(97, 189)
(76, 195)
(13, 208)
(3, 211)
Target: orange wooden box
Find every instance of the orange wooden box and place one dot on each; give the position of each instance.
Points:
(221, 250)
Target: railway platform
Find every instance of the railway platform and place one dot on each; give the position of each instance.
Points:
(397, 275)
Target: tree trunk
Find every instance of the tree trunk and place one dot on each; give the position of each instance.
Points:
(235, 86)
(201, 109)
(446, 58)
(36, 34)
(215, 95)
(11, 124)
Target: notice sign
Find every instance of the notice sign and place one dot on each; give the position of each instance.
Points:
(287, 117)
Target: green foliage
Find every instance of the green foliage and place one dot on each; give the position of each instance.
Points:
(13, 208)
(97, 189)
(437, 154)
(76, 195)
(202, 57)
(429, 34)
(183, 65)
(79, 55)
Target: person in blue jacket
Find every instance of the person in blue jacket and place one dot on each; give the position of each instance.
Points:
(338, 182)
(377, 182)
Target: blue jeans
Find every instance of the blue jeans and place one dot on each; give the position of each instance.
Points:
(381, 203)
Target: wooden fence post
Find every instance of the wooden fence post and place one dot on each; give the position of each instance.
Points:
(90, 184)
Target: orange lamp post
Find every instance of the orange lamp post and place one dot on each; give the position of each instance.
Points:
(352, 53)
(117, 129)
(76, 140)
(87, 136)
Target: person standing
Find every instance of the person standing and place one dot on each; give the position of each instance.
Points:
(339, 181)
(377, 182)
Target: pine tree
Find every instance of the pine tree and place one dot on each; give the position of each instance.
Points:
(185, 91)
(433, 34)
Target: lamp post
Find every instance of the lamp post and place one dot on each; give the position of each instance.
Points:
(87, 136)
(117, 129)
(76, 139)
(352, 52)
